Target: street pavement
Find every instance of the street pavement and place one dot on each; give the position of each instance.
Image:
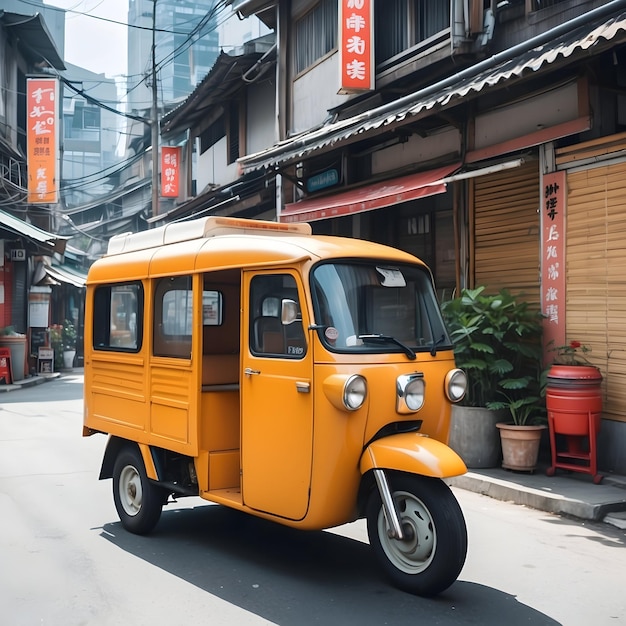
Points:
(571, 494)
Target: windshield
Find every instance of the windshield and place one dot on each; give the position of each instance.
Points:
(375, 307)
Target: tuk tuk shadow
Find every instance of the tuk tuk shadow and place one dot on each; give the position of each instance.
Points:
(295, 578)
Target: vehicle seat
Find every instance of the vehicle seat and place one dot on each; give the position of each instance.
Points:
(268, 335)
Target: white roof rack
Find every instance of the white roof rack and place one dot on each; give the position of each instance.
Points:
(212, 226)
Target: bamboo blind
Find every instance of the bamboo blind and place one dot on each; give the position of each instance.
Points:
(506, 231)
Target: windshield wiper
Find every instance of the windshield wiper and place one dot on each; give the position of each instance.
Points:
(389, 339)
(433, 347)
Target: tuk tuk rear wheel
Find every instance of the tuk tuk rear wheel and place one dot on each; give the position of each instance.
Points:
(431, 555)
(137, 500)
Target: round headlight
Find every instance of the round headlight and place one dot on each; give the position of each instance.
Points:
(410, 393)
(354, 392)
(414, 394)
(456, 385)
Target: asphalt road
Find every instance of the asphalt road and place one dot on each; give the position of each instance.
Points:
(65, 560)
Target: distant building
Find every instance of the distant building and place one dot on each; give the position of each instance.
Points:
(187, 45)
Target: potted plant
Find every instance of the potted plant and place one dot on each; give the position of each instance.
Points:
(574, 406)
(68, 338)
(497, 341)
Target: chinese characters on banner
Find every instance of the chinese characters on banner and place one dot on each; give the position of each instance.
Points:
(42, 140)
(553, 205)
(356, 46)
(170, 171)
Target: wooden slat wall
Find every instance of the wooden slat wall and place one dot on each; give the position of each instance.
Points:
(596, 275)
(506, 231)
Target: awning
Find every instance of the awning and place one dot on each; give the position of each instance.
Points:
(64, 274)
(15, 225)
(560, 46)
(34, 39)
(370, 197)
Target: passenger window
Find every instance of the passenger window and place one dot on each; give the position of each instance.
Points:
(118, 317)
(173, 315)
(269, 334)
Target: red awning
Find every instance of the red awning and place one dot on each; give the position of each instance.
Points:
(377, 196)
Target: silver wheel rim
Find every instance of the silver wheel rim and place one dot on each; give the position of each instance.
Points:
(415, 553)
(131, 494)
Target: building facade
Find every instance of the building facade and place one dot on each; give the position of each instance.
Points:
(485, 123)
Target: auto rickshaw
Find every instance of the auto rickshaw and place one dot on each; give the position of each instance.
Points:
(302, 379)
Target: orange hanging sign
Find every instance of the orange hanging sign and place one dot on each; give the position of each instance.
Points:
(553, 207)
(170, 171)
(42, 140)
(356, 45)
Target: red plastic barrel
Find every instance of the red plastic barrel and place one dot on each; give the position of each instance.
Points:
(573, 396)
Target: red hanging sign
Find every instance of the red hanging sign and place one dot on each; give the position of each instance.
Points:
(356, 45)
(42, 140)
(553, 206)
(170, 171)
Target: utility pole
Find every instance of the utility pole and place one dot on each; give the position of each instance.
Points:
(154, 121)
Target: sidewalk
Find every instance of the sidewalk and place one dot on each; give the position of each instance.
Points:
(567, 493)
(572, 494)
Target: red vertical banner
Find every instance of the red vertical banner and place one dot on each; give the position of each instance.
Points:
(553, 208)
(42, 140)
(356, 45)
(170, 171)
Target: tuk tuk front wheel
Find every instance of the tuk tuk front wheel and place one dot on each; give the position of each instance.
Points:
(137, 500)
(432, 552)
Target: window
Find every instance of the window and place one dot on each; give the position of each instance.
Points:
(233, 133)
(173, 315)
(272, 332)
(316, 34)
(212, 135)
(375, 307)
(118, 317)
(402, 24)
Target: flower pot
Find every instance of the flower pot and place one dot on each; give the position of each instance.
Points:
(520, 446)
(68, 359)
(474, 436)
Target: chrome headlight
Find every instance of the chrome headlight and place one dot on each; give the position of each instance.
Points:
(455, 385)
(354, 392)
(410, 390)
(346, 391)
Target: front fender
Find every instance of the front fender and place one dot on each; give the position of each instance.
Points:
(412, 453)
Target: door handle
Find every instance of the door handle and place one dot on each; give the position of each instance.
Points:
(249, 371)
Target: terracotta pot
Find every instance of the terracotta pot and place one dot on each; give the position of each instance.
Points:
(520, 446)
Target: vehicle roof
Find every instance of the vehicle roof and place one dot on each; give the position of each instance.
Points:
(230, 244)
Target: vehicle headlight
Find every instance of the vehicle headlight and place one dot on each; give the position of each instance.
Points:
(410, 390)
(346, 392)
(455, 385)
(354, 392)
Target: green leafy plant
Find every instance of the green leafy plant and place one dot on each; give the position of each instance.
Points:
(497, 341)
(68, 333)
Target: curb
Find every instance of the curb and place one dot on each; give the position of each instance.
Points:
(563, 494)
(31, 381)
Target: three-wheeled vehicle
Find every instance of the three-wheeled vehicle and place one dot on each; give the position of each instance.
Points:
(302, 379)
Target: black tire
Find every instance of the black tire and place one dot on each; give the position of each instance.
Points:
(431, 556)
(138, 500)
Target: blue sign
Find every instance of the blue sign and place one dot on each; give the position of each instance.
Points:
(322, 180)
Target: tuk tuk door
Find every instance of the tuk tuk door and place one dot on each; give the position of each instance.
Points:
(276, 397)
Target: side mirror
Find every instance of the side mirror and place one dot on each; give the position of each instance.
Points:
(289, 312)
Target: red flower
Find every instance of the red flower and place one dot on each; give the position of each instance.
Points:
(575, 344)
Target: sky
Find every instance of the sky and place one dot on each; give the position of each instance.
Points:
(95, 44)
